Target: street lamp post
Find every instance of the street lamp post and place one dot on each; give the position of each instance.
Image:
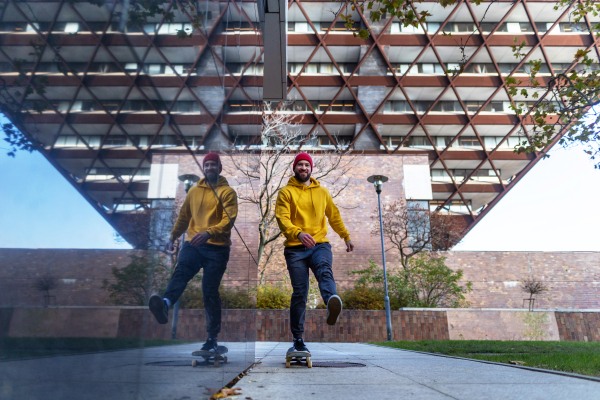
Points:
(188, 181)
(377, 181)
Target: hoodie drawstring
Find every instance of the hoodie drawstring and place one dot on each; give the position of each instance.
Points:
(296, 208)
(201, 201)
(204, 189)
(311, 201)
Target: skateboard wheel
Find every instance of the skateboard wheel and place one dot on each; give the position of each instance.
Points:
(287, 363)
(225, 360)
(216, 363)
(308, 362)
(194, 363)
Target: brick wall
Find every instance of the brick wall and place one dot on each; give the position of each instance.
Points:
(357, 204)
(241, 270)
(579, 326)
(573, 278)
(79, 273)
(273, 325)
(236, 325)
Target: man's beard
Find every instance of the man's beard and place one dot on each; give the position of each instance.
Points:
(212, 177)
(300, 179)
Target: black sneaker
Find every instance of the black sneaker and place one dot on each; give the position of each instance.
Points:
(334, 308)
(210, 345)
(299, 345)
(159, 308)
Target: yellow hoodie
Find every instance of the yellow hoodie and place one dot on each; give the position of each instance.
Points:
(202, 212)
(302, 208)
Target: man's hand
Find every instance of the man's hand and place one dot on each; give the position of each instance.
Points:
(170, 247)
(349, 246)
(199, 239)
(307, 240)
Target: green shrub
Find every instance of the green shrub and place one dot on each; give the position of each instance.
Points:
(192, 297)
(362, 298)
(427, 282)
(273, 296)
(231, 298)
(237, 298)
(430, 283)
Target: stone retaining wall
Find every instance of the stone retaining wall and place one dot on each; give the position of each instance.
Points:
(273, 325)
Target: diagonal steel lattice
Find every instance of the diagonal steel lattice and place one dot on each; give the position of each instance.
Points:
(374, 44)
(144, 154)
(206, 39)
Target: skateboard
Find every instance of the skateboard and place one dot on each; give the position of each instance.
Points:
(298, 357)
(215, 357)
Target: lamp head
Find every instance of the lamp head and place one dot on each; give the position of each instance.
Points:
(377, 181)
(188, 180)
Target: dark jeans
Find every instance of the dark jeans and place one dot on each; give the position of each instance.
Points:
(299, 260)
(213, 259)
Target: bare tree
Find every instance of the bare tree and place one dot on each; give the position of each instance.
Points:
(413, 230)
(266, 171)
(533, 287)
(45, 284)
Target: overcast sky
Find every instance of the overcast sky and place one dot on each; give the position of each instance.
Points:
(553, 208)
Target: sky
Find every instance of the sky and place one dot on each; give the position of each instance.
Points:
(553, 208)
(40, 209)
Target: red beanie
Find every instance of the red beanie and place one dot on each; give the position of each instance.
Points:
(213, 157)
(303, 157)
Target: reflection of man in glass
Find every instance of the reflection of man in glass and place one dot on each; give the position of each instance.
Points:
(208, 221)
(301, 209)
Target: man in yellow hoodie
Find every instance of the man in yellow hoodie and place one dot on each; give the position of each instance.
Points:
(301, 209)
(208, 221)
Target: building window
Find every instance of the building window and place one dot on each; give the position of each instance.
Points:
(453, 206)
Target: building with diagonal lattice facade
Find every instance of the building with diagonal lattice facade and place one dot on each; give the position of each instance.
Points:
(120, 101)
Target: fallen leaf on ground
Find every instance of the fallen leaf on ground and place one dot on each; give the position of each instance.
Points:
(223, 393)
(517, 362)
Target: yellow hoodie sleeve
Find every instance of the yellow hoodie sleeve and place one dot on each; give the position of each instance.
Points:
(230, 211)
(183, 220)
(283, 215)
(335, 219)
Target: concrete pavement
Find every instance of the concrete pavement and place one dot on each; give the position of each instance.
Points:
(124, 374)
(394, 374)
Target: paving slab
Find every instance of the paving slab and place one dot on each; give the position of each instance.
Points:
(392, 373)
(123, 374)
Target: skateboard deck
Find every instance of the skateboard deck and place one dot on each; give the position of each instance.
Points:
(298, 357)
(215, 357)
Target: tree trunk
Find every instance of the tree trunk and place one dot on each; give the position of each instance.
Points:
(261, 250)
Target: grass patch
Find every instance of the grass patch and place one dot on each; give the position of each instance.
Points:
(16, 348)
(576, 357)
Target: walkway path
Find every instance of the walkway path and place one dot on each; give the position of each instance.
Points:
(121, 375)
(398, 374)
